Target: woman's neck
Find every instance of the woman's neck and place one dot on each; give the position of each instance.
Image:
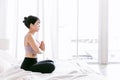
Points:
(32, 32)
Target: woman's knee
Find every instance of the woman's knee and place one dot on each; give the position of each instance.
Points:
(51, 67)
(46, 67)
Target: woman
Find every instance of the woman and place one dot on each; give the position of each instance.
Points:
(33, 48)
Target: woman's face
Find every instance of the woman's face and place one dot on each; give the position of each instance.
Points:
(36, 26)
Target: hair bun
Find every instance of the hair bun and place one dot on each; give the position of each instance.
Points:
(25, 18)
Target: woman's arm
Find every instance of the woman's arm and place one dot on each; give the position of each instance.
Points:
(42, 46)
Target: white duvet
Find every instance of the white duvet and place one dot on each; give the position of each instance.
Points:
(65, 70)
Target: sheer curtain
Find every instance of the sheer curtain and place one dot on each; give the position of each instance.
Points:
(50, 28)
(46, 11)
(11, 20)
(61, 22)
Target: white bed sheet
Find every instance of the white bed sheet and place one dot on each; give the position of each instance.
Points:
(65, 70)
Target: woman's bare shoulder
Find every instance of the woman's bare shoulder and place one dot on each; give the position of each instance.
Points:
(28, 36)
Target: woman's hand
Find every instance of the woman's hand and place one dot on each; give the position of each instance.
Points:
(42, 46)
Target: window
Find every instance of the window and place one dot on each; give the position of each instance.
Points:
(88, 30)
(67, 26)
(114, 31)
(78, 29)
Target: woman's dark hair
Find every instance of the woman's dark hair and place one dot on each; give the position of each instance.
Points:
(30, 19)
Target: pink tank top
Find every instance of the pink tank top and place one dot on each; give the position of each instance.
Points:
(29, 49)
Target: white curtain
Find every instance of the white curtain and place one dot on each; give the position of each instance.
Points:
(53, 19)
(46, 11)
(50, 28)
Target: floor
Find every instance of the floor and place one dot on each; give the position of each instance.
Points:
(111, 71)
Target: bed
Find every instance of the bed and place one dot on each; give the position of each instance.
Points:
(65, 70)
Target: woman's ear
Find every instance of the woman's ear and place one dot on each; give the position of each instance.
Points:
(31, 24)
